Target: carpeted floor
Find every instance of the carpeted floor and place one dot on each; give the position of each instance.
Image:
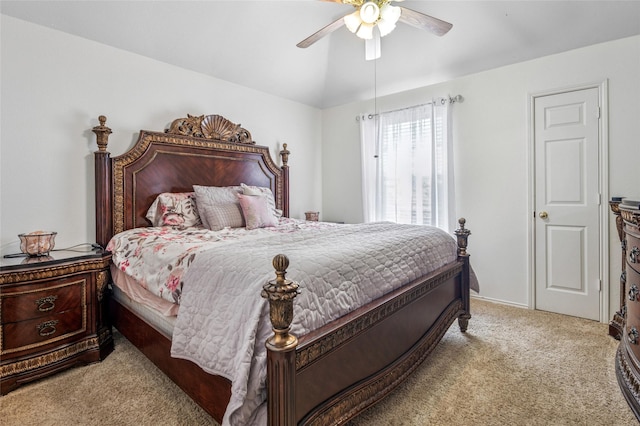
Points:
(512, 367)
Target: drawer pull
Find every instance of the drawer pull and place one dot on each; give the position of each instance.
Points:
(633, 254)
(633, 293)
(46, 303)
(48, 328)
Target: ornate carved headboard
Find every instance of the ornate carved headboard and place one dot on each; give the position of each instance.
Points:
(196, 150)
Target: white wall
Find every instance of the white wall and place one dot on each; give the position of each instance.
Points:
(54, 85)
(53, 88)
(491, 136)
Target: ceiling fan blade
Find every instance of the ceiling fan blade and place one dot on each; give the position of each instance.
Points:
(323, 32)
(425, 22)
(354, 3)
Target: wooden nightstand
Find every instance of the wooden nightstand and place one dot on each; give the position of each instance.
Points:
(52, 314)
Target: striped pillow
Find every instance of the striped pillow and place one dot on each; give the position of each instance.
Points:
(219, 207)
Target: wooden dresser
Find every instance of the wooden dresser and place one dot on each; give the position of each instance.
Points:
(52, 314)
(628, 354)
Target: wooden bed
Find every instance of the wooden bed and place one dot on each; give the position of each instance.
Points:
(401, 328)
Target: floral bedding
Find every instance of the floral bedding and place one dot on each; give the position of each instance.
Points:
(157, 257)
(223, 323)
(339, 267)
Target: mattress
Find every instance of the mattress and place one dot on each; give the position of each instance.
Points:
(163, 323)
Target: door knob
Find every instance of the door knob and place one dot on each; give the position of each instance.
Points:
(543, 215)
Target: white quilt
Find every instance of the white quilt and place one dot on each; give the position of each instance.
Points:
(223, 322)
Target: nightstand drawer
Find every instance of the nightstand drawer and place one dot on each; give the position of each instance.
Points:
(43, 301)
(23, 335)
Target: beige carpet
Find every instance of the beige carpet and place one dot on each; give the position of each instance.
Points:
(513, 367)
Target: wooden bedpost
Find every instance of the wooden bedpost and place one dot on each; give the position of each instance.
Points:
(462, 235)
(284, 154)
(104, 226)
(281, 347)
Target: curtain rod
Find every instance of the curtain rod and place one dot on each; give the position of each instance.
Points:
(442, 100)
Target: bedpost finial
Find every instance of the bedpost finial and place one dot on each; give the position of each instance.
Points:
(285, 155)
(280, 294)
(102, 133)
(280, 264)
(462, 234)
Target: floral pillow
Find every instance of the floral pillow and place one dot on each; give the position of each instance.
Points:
(257, 211)
(175, 209)
(260, 190)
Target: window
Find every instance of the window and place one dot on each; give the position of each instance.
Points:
(408, 166)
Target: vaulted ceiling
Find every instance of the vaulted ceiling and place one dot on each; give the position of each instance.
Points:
(253, 43)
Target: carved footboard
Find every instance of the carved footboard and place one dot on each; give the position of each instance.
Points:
(336, 372)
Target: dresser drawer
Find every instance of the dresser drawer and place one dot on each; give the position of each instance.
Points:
(632, 295)
(43, 301)
(24, 335)
(633, 249)
(632, 329)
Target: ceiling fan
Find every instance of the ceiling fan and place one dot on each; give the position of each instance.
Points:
(381, 14)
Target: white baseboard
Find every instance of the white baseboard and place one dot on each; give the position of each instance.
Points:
(502, 302)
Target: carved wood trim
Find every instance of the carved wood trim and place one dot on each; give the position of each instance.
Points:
(462, 236)
(210, 127)
(102, 134)
(101, 283)
(50, 358)
(631, 217)
(54, 271)
(629, 382)
(616, 325)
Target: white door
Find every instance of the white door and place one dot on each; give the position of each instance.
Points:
(567, 203)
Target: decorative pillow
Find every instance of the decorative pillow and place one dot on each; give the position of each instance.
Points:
(257, 211)
(219, 206)
(224, 215)
(261, 190)
(177, 209)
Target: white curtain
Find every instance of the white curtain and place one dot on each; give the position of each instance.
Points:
(407, 166)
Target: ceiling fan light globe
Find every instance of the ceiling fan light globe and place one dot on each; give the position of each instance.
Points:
(385, 27)
(390, 13)
(365, 31)
(353, 21)
(369, 12)
(389, 16)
